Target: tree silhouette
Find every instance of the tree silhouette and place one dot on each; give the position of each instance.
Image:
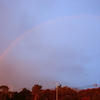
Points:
(23, 94)
(35, 91)
(4, 88)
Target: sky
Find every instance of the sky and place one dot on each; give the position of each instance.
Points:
(46, 41)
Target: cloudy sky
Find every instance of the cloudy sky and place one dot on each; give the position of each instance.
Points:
(46, 41)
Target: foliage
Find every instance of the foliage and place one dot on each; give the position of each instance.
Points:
(64, 93)
(23, 94)
(4, 88)
(36, 88)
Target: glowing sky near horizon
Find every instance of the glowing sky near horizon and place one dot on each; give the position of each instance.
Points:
(66, 51)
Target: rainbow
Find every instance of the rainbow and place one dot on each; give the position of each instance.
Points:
(34, 28)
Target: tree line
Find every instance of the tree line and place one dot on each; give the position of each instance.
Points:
(37, 93)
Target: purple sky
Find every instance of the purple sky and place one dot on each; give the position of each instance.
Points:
(62, 43)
